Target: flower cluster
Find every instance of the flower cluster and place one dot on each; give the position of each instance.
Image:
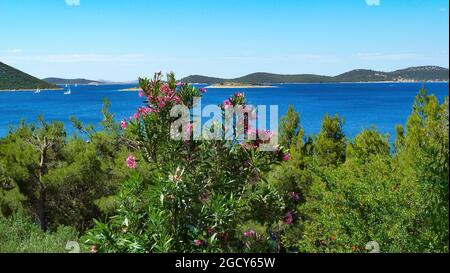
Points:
(166, 97)
(131, 162)
(236, 99)
(249, 233)
(289, 218)
(123, 124)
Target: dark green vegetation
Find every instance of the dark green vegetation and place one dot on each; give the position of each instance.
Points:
(13, 79)
(422, 73)
(70, 81)
(150, 193)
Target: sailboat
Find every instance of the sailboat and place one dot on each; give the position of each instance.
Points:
(37, 91)
(76, 84)
(68, 92)
(66, 85)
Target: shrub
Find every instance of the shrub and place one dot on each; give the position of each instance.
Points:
(18, 234)
(188, 195)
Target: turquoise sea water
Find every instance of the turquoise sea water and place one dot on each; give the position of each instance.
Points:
(383, 105)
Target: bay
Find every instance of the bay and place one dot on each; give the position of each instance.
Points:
(362, 105)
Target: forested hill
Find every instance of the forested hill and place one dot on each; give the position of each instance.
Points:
(415, 74)
(13, 79)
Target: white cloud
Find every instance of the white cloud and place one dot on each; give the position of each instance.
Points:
(373, 2)
(73, 2)
(15, 51)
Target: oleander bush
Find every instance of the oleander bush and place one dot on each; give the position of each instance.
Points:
(188, 195)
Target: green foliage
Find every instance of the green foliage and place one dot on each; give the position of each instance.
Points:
(367, 144)
(18, 234)
(422, 162)
(58, 179)
(330, 144)
(361, 192)
(354, 204)
(289, 128)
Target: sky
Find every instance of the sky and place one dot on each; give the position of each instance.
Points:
(120, 40)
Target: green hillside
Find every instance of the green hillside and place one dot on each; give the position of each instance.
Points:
(363, 75)
(13, 79)
(259, 78)
(203, 79)
(422, 73)
(418, 74)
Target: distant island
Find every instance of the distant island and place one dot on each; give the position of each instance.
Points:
(238, 85)
(14, 79)
(411, 74)
(61, 81)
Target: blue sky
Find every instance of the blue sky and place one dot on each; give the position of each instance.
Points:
(124, 39)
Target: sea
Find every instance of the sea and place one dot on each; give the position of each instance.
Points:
(361, 105)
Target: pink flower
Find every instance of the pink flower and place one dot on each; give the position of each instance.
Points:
(142, 111)
(146, 110)
(294, 195)
(288, 219)
(141, 94)
(161, 104)
(286, 157)
(198, 242)
(176, 99)
(265, 135)
(249, 233)
(181, 83)
(227, 103)
(166, 89)
(203, 90)
(239, 95)
(131, 162)
(123, 124)
(252, 134)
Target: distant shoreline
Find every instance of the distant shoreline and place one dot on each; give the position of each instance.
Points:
(130, 89)
(30, 90)
(362, 82)
(238, 86)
